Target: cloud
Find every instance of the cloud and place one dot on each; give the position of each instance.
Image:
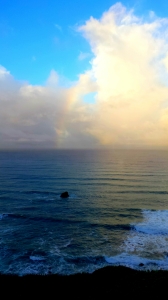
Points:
(130, 71)
(27, 114)
(53, 78)
(47, 116)
(83, 55)
(3, 72)
(128, 77)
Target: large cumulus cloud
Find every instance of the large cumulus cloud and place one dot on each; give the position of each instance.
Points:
(131, 71)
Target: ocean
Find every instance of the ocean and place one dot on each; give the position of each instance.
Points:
(116, 214)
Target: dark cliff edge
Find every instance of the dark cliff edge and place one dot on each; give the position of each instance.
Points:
(105, 283)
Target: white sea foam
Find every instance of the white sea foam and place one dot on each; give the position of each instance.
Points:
(155, 222)
(150, 237)
(134, 261)
(37, 258)
(31, 269)
(147, 243)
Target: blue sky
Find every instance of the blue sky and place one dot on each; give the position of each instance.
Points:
(83, 74)
(38, 36)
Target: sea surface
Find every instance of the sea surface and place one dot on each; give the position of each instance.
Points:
(117, 212)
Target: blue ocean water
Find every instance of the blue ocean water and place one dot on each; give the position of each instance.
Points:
(117, 212)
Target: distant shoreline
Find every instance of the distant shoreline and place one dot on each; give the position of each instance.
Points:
(102, 283)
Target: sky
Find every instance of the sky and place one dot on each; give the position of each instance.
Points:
(83, 74)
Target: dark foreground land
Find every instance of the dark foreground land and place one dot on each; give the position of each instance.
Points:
(107, 283)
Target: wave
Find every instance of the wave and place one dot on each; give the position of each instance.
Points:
(122, 227)
(40, 218)
(86, 224)
(137, 262)
(144, 192)
(155, 222)
(37, 258)
(147, 242)
(37, 192)
(61, 265)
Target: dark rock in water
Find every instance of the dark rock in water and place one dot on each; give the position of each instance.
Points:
(141, 264)
(64, 195)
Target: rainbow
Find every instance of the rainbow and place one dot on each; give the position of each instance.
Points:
(71, 98)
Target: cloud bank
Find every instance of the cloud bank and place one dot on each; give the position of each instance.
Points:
(128, 72)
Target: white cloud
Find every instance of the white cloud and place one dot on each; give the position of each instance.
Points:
(53, 78)
(83, 55)
(3, 72)
(42, 116)
(128, 73)
(130, 76)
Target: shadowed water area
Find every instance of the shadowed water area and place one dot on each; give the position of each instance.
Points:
(117, 212)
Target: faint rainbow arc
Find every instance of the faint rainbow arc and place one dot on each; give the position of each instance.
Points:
(69, 103)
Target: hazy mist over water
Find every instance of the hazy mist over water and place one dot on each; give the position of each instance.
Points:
(117, 212)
